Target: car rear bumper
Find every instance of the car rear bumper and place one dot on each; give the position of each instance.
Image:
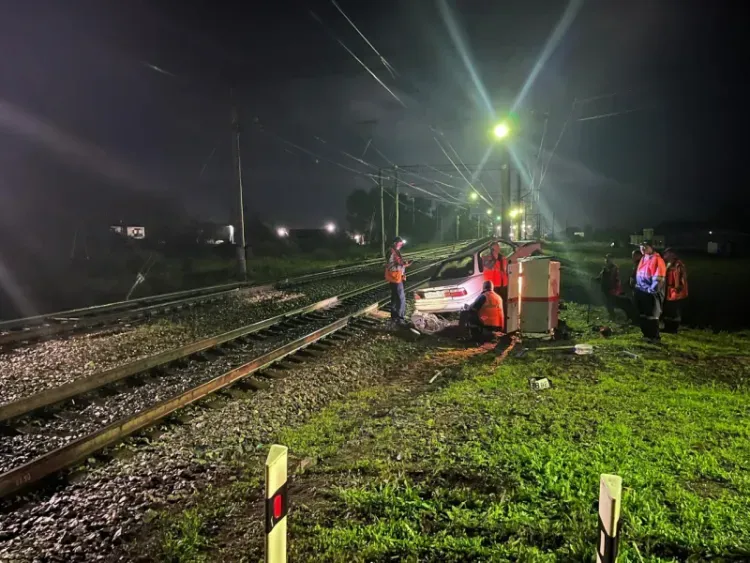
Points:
(442, 305)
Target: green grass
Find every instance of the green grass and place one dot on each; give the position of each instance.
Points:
(185, 540)
(717, 285)
(487, 470)
(478, 467)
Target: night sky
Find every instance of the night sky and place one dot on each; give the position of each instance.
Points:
(120, 110)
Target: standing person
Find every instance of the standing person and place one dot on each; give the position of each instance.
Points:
(609, 280)
(637, 255)
(495, 269)
(649, 290)
(634, 315)
(677, 291)
(395, 274)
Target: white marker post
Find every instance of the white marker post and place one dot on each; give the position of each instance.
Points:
(610, 493)
(276, 504)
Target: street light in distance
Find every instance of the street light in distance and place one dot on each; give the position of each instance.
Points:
(501, 130)
(473, 196)
(282, 232)
(330, 227)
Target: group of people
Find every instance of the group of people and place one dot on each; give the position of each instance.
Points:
(485, 314)
(659, 288)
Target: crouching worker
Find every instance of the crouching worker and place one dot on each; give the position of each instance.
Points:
(486, 314)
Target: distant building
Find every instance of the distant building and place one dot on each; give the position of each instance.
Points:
(659, 241)
(706, 237)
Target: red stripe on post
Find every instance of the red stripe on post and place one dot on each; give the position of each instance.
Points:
(277, 506)
(541, 299)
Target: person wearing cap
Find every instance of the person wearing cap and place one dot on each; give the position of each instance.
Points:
(495, 267)
(609, 281)
(677, 291)
(395, 274)
(649, 290)
(486, 313)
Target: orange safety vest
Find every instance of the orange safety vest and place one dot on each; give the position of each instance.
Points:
(491, 312)
(496, 271)
(677, 286)
(394, 268)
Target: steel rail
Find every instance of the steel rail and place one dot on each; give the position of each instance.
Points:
(94, 381)
(41, 326)
(20, 477)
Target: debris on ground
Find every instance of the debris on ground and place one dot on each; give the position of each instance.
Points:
(437, 374)
(578, 349)
(539, 383)
(430, 324)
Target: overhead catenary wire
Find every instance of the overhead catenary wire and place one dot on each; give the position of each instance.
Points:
(367, 68)
(486, 191)
(335, 37)
(370, 176)
(409, 172)
(386, 64)
(372, 166)
(461, 173)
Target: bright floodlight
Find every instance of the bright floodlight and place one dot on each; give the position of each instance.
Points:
(473, 196)
(330, 227)
(282, 232)
(501, 130)
(489, 212)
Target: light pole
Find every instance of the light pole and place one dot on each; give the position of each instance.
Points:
(501, 132)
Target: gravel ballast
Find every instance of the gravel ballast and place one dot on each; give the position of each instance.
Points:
(94, 518)
(28, 370)
(76, 419)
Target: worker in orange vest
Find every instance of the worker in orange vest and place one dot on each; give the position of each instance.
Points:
(677, 291)
(495, 269)
(486, 313)
(395, 274)
(649, 290)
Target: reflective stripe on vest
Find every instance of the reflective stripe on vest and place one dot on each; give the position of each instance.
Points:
(677, 287)
(495, 271)
(491, 311)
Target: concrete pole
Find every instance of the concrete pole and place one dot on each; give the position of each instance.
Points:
(382, 212)
(505, 194)
(242, 248)
(520, 216)
(395, 181)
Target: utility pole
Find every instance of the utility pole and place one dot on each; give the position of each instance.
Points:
(236, 130)
(395, 181)
(519, 216)
(505, 194)
(382, 212)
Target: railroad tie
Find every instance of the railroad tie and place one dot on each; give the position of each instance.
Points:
(251, 383)
(273, 373)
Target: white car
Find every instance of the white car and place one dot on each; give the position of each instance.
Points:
(458, 281)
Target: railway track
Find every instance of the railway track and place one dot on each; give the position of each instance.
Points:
(29, 329)
(57, 428)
